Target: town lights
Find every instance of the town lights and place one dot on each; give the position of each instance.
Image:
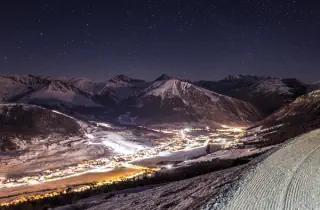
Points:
(237, 130)
(126, 150)
(232, 129)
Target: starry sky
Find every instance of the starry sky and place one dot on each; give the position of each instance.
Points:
(191, 39)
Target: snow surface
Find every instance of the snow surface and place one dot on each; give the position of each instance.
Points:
(54, 95)
(167, 88)
(180, 195)
(179, 156)
(118, 143)
(87, 85)
(271, 86)
(315, 93)
(288, 179)
(24, 106)
(175, 88)
(46, 90)
(122, 87)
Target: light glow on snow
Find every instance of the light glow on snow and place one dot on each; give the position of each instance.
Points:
(169, 166)
(106, 125)
(182, 134)
(164, 154)
(187, 129)
(121, 145)
(233, 129)
(89, 136)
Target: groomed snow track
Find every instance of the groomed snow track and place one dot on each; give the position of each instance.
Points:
(288, 179)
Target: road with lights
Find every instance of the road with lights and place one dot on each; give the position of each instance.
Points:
(16, 195)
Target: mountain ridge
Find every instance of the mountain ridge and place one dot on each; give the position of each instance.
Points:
(108, 99)
(176, 100)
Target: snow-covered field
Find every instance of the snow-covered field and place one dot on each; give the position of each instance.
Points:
(288, 179)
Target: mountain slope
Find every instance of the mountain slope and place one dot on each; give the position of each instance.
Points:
(35, 141)
(173, 100)
(304, 109)
(87, 85)
(55, 93)
(315, 85)
(266, 93)
(122, 87)
(44, 91)
(296, 118)
(13, 86)
(21, 121)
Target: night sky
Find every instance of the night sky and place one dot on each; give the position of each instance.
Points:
(192, 39)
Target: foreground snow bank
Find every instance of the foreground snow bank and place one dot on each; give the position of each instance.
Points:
(288, 179)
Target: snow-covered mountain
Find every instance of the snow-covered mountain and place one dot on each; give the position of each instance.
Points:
(173, 100)
(34, 140)
(165, 99)
(24, 122)
(44, 91)
(266, 93)
(122, 87)
(78, 95)
(87, 85)
(304, 109)
(298, 117)
(56, 93)
(13, 86)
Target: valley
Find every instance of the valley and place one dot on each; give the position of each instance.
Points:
(69, 140)
(130, 156)
(159, 105)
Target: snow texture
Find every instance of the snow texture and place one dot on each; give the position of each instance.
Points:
(288, 179)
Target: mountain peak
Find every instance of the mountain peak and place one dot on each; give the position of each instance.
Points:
(121, 77)
(79, 80)
(163, 77)
(176, 88)
(241, 77)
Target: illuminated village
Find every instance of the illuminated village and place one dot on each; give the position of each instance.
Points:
(186, 139)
